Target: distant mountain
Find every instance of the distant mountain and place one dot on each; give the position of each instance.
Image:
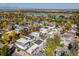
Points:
(5, 8)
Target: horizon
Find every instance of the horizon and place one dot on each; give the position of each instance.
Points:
(39, 5)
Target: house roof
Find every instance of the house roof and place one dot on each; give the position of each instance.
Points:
(69, 34)
(22, 40)
(21, 43)
(17, 30)
(32, 48)
(66, 38)
(34, 34)
(43, 30)
(51, 32)
(16, 54)
(38, 42)
(30, 36)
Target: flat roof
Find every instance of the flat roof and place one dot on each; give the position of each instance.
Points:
(34, 33)
(22, 40)
(43, 30)
(32, 48)
(16, 54)
(38, 42)
(30, 36)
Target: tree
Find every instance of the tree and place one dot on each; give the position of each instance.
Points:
(68, 24)
(5, 51)
(74, 49)
(57, 40)
(49, 52)
(50, 46)
(61, 17)
(6, 37)
(75, 18)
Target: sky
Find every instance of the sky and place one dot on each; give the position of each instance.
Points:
(41, 5)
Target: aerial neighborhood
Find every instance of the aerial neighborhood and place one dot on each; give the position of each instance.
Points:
(38, 33)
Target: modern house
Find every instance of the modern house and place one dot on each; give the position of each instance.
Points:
(74, 26)
(22, 43)
(36, 48)
(43, 31)
(51, 34)
(33, 36)
(59, 51)
(33, 50)
(67, 38)
(40, 44)
(17, 31)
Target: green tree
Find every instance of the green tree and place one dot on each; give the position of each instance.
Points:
(74, 49)
(68, 24)
(6, 37)
(57, 40)
(51, 45)
(5, 51)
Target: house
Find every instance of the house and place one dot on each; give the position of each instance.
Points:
(40, 44)
(51, 27)
(59, 51)
(71, 31)
(36, 48)
(17, 31)
(74, 26)
(56, 32)
(17, 26)
(33, 50)
(51, 34)
(20, 53)
(43, 31)
(33, 36)
(67, 38)
(22, 43)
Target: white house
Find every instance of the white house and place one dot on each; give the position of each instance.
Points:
(51, 34)
(17, 31)
(40, 44)
(56, 31)
(36, 48)
(33, 50)
(33, 36)
(67, 38)
(51, 27)
(22, 43)
(43, 31)
(74, 26)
